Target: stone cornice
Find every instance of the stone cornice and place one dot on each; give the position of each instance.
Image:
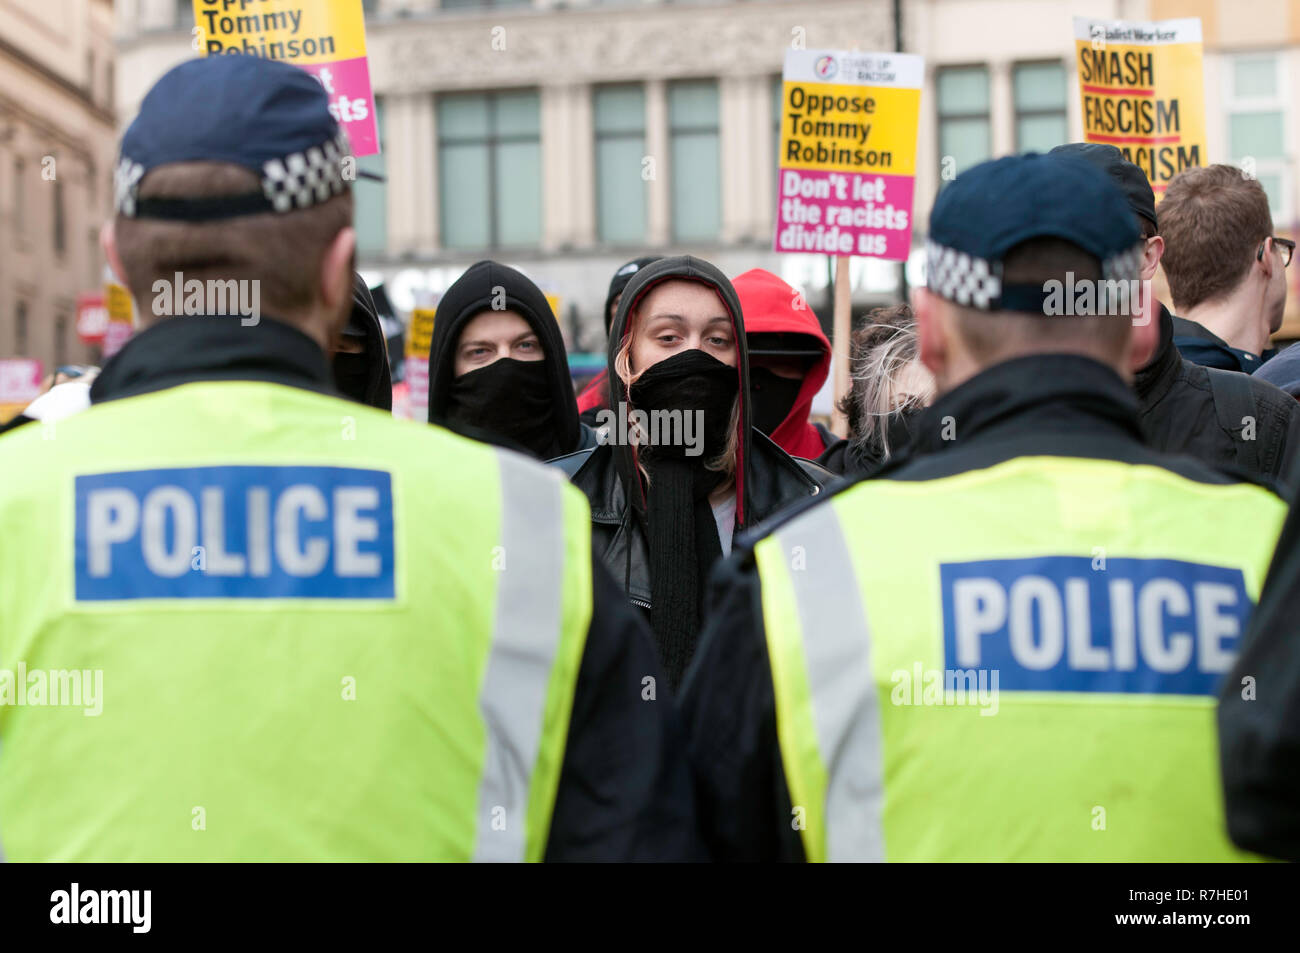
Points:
(613, 44)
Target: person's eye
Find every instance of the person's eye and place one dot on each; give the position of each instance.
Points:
(528, 345)
(720, 341)
(667, 339)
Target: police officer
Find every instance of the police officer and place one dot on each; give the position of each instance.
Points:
(1008, 646)
(320, 633)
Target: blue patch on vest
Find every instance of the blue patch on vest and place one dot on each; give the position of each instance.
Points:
(1055, 624)
(235, 533)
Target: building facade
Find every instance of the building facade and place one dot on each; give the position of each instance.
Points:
(566, 136)
(57, 131)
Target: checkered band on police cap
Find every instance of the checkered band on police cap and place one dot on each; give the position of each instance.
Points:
(1124, 266)
(961, 277)
(303, 179)
(296, 181)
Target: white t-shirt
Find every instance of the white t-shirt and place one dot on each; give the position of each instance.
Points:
(724, 514)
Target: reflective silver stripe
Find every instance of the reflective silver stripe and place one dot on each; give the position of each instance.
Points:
(525, 641)
(837, 653)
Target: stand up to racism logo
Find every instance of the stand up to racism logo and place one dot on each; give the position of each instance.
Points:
(1143, 91)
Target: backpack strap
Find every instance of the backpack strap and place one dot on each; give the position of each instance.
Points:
(1234, 402)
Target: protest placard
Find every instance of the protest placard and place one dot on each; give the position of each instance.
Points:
(848, 153)
(327, 38)
(1142, 90)
(121, 318)
(419, 339)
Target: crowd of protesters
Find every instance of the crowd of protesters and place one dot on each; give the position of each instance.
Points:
(691, 650)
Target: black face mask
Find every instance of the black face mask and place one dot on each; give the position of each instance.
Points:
(352, 375)
(509, 399)
(690, 381)
(899, 429)
(772, 397)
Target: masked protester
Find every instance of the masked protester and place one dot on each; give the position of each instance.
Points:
(497, 366)
(891, 387)
(360, 359)
(680, 469)
(595, 396)
(789, 360)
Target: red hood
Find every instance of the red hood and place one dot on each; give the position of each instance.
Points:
(770, 305)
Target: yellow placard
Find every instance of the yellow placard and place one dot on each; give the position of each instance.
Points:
(302, 32)
(420, 337)
(118, 302)
(1142, 90)
(838, 128)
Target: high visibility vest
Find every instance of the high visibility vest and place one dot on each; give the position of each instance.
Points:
(255, 622)
(1014, 663)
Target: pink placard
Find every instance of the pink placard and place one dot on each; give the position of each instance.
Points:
(20, 380)
(844, 213)
(352, 102)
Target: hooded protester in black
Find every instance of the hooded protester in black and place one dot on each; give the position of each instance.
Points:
(652, 518)
(523, 405)
(364, 375)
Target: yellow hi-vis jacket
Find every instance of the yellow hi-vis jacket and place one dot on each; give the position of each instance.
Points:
(339, 636)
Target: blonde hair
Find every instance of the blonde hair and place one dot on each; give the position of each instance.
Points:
(724, 462)
(882, 350)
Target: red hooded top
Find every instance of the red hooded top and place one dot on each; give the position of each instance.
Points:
(769, 305)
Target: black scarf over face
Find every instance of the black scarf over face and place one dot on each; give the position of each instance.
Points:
(479, 290)
(508, 399)
(773, 397)
(680, 529)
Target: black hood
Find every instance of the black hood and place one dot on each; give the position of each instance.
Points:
(688, 268)
(622, 278)
(472, 294)
(378, 387)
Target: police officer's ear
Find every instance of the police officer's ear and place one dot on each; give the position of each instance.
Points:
(931, 333)
(1153, 250)
(336, 275)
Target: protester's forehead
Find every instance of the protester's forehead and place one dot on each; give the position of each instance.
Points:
(683, 297)
(490, 323)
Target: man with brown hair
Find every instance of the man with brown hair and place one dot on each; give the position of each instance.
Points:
(1226, 269)
(1222, 417)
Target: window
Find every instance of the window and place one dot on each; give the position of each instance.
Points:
(490, 161)
(1255, 107)
(1042, 121)
(20, 196)
(60, 219)
(60, 340)
(20, 329)
(372, 197)
(695, 165)
(964, 131)
(620, 150)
